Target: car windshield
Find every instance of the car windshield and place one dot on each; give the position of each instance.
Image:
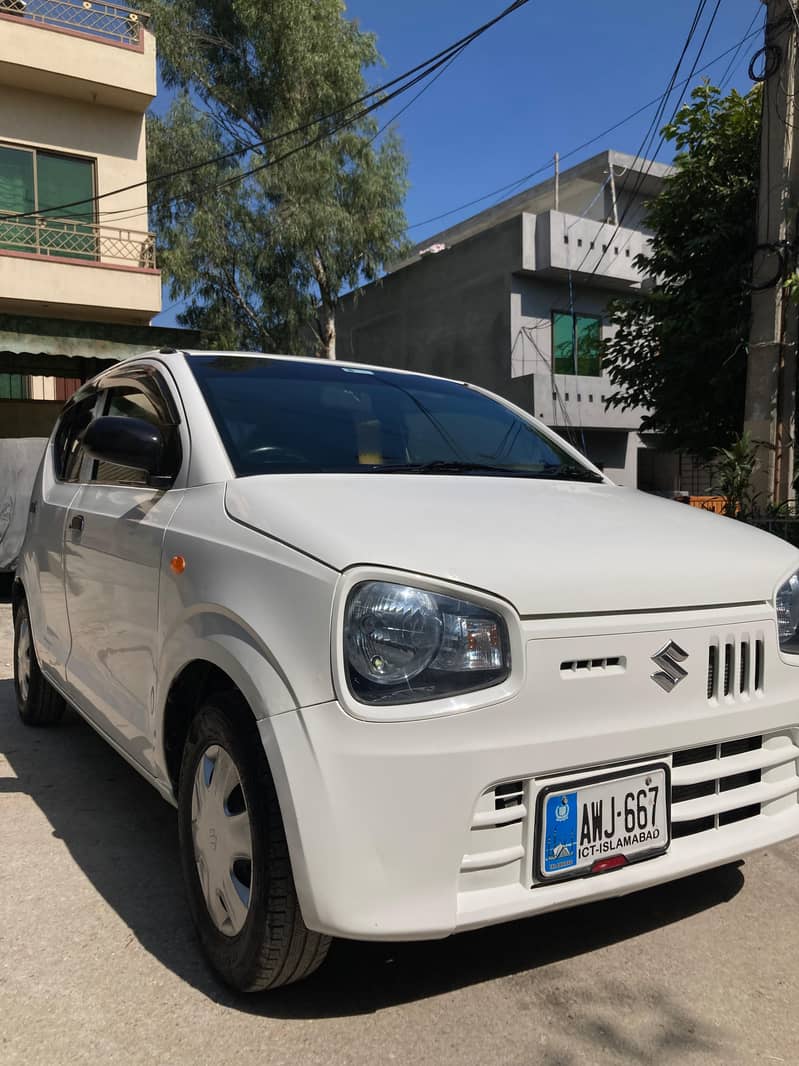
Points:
(280, 416)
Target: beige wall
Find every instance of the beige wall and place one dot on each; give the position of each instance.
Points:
(65, 64)
(115, 139)
(38, 286)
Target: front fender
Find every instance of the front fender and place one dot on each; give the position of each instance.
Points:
(210, 633)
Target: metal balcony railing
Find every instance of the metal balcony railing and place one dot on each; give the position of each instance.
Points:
(71, 239)
(115, 23)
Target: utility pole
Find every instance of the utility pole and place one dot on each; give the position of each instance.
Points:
(770, 408)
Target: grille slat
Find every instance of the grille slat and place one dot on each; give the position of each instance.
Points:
(718, 785)
(729, 801)
(728, 658)
(743, 677)
(613, 664)
(745, 760)
(694, 755)
(712, 667)
(735, 668)
(759, 657)
(681, 793)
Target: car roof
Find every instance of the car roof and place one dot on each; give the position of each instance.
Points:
(316, 361)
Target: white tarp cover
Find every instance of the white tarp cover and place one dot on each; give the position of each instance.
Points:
(19, 461)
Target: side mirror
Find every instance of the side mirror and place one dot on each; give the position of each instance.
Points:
(129, 442)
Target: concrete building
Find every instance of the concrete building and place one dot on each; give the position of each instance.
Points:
(79, 281)
(515, 299)
(75, 82)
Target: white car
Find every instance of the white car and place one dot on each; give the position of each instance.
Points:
(405, 661)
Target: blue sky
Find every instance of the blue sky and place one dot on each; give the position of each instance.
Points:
(549, 77)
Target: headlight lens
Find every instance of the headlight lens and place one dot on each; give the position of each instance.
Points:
(788, 615)
(404, 644)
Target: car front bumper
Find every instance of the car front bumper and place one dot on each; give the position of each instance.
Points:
(416, 829)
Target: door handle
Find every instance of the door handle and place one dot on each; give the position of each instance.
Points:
(76, 523)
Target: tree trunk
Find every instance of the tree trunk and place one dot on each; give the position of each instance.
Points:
(326, 317)
(327, 332)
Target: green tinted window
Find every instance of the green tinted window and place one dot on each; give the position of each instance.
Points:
(576, 343)
(40, 181)
(61, 180)
(16, 180)
(17, 194)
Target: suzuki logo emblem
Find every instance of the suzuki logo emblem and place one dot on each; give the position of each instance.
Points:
(668, 659)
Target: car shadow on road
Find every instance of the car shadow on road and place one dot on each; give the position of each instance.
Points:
(123, 836)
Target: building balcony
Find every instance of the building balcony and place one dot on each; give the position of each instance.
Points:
(67, 238)
(112, 23)
(77, 269)
(556, 244)
(98, 52)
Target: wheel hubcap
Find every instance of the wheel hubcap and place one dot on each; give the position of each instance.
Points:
(220, 824)
(24, 650)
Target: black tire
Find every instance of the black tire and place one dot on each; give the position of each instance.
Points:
(38, 702)
(273, 947)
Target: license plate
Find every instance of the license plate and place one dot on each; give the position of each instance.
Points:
(617, 817)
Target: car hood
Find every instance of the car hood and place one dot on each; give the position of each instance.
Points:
(547, 547)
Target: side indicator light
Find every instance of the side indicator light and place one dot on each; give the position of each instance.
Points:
(601, 866)
(177, 564)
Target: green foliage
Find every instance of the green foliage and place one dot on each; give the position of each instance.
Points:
(733, 468)
(263, 260)
(680, 350)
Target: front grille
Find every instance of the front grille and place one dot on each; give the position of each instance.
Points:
(509, 795)
(497, 838)
(712, 786)
(718, 784)
(735, 668)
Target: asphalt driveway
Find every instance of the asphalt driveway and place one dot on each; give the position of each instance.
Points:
(98, 962)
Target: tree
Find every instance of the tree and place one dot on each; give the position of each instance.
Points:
(680, 349)
(264, 258)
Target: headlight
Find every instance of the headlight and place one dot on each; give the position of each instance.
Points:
(788, 615)
(404, 645)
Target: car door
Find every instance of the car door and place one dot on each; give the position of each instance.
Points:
(54, 490)
(114, 533)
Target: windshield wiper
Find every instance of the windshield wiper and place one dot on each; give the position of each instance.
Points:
(569, 473)
(464, 466)
(447, 466)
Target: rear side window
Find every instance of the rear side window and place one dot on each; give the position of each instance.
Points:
(67, 448)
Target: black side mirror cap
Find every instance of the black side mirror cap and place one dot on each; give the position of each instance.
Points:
(131, 442)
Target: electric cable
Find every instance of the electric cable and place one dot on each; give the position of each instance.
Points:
(731, 65)
(646, 170)
(585, 144)
(416, 74)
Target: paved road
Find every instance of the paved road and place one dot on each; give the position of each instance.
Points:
(98, 962)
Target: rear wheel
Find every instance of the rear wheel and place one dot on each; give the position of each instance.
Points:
(235, 857)
(38, 702)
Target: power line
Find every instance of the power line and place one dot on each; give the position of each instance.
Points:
(416, 74)
(731, 65)
(644, 148)
(585, 144)
(648, 139)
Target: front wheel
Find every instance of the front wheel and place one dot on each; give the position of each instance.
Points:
(38, 702)
(235, 857)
